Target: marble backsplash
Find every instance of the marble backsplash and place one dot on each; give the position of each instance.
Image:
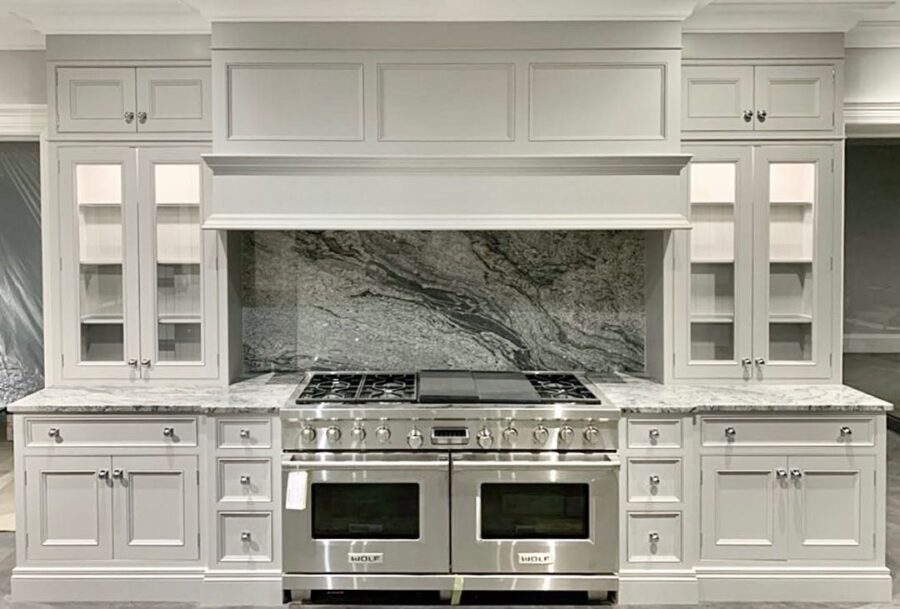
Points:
(504, 300)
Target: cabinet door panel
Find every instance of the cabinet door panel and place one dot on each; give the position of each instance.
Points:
(95, 100)
(68, 504)
(715, 98)
(832, 508)
(744, 508)
(173, 99)
(156, 508)
(795, 98)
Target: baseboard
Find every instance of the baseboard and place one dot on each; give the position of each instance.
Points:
(867, 587)
(654, 588)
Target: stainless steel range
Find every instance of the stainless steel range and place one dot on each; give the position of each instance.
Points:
(464, 480)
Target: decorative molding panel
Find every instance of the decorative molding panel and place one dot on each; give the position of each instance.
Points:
(872, 119)
(22, 121)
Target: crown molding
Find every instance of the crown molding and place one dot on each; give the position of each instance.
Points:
(872, 119)
(22, 122)
(874, 34)
(747, 16)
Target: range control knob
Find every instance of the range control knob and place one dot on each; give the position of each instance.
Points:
(358, 434)
(510, 435)
(566, 434)
(415, 439)
(308, 434)
(541, 434)
(333, 434)
(383, 435)
(485, 439)
(591, 435)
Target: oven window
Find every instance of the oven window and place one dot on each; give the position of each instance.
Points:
(365, 511)
(534, 511)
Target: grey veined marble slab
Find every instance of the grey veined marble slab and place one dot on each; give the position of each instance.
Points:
(485, 300)
(253, 396)
(637, 395)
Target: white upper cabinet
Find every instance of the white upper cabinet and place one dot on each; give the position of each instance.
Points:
(761, 98)
(129, 100)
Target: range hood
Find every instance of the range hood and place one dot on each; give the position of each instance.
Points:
(481, 126)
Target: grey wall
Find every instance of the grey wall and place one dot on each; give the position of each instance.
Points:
(22, 77)
(21, 339)
(872, 235)
(483, 300)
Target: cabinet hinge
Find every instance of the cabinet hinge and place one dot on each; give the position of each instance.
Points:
(198, 540)
(833, 75)
(831, 262)
(25, 477)
(62, 359)
(198, 477)
(60, 264)
(832, 163)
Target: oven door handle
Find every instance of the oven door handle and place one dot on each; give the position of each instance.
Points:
(365, 465)
(611, 462)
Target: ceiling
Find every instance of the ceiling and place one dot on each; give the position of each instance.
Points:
(23, 23)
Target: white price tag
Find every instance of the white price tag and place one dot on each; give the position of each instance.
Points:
(295, 496)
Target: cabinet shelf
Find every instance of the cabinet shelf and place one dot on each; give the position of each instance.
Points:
(102, 319)
(179, 319)
(712, 318)
(801, 318)
(722, 260)
(790, 261)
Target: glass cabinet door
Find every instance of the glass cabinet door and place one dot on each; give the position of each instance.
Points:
(177, 266)
(97, 196)
(714, 261)
(792, 301)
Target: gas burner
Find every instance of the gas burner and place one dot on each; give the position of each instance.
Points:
(560, 386)
(389, 387)
(331, 387)
(359, 387)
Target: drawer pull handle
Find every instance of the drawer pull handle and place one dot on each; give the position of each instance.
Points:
(654, 479)
(796, 474)
(245, 536)
(654, 434)
(846, 432)
(245, 480)
(780, 474)
(169, 432)
(730, 432)
(245, 433)
(103, 474)
(654, 537)
(53, 432)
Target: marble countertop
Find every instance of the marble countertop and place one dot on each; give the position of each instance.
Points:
(266, 393)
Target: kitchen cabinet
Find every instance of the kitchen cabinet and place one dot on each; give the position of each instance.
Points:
(755, 298)
(788, 507)
(131, 100)
(759, 98)
(120, 507)
(140, 273)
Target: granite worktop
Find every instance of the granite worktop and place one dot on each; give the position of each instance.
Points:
(266, 393)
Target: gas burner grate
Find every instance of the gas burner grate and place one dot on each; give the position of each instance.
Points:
(332, 387)
(389, 387)
(561, 387)
(359, 387)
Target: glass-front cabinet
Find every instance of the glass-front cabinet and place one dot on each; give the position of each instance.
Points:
(753, 274)
(140, 271)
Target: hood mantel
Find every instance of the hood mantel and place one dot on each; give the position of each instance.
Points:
(448, 192)
(478, 126)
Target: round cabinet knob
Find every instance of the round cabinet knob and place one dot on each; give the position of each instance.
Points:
(730, 432)
(761, 115)
(760, 361)
(781, 474)
(591, 435)
(129, 116)
(245, 480)
(245, 536)
(654, 537)
(308, 434)
(169, 432)
(796, 474)
(333, 434)
(142, 117)
(118, 473)
(415, 439)
(485, 439)
(383, 435)
(748, 116)
(566, 434)
(103, 474)
(53, 432)
(846, 432)
(245, 434)
(510, 435)
(654, 434)
(654, 480)
(541, 434)
(358, 434)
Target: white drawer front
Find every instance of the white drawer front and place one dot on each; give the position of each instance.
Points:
(242, 480)
(244, 433)
(654, 537)
(788, 431)
(654, 433)
(73, 432)
(245, 537)
(655, 480)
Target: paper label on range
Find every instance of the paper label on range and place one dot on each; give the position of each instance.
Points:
(295, 495)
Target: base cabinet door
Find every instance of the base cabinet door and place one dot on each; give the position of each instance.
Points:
(832, 508)
(69, 501)
(744, 507)
(156, 508)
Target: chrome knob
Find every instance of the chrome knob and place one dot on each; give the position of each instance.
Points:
(415, 439)
(796, 474)
(245, 434)
(654, 434)
(566, 434)
(654, 537)
(591, 435)
(129, 116)
(654, 479)
(118, 473)
(308, 434)
(142, 117)
(760, 361)
(169, 432)
(383, 434)
(132, 362)
(485, 438)
(53, 432)
(761, 115)
(746, 362)
(846, 432)
(245, 536)
(245, 480)
(145, 362)
(510, 435)
(748, 116)
(357, 434)
(333, 434)
(103, 474)
(730, 432)
(780, 474)
(541, 434)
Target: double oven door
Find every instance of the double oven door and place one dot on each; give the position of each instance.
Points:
(490, 513)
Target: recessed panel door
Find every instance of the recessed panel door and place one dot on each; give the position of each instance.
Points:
(173, 99)
(795, 98)
(68, 501)
(717, 98)
(744, 507)
(95, 100)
